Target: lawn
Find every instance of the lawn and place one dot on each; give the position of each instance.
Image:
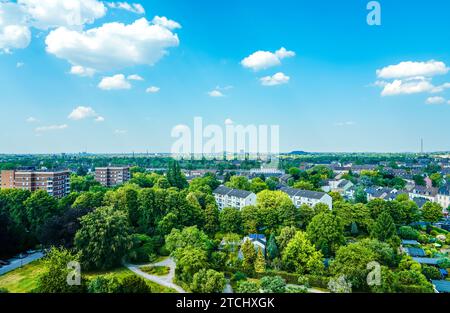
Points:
(24, 279)
(155, 270)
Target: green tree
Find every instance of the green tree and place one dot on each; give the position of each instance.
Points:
(351, 261)
(103, 239)
(384, 227)
(40, 207)
(431, 212)
(208, 281)
(239, 182)
(230, 220)
(249, 257)
(104, 284)
(56, 272)
(175, 177)
(326, 232)
(257, 185)
(190, 260)
(211, 218)
(306, 213)
(300, 256)
(249, 216)
(189, 237)
(286, 234)
(260, 262)
(272, 248)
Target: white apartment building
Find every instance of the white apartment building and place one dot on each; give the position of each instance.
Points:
(233, 198)
(311, 198)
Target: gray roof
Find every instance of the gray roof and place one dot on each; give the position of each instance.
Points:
(343, 183)
(303, 193)
(410, 242)
(420, 201)
(224, 190)
(416, 252)
(445, 190)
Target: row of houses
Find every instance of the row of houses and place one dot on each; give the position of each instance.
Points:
(236, 198)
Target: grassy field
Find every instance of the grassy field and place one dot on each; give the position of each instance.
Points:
(156, 270)
(24, 279)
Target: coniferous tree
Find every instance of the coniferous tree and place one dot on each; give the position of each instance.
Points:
(384, 227)
(260, 262)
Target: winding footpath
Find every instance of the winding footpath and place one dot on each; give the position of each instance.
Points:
(166, 281)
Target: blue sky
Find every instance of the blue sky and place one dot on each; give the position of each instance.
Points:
(328, 98)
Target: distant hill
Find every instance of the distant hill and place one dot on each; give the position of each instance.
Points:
(298, 153)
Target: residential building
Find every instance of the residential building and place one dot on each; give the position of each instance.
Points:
(112, 176)
(234, 198)
(443, 197)
(341, 186)
(423, 192)
(56, 183)
(311, 198)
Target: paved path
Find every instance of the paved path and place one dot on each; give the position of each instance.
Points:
(16, 263)
(228, 288)
(166, 281)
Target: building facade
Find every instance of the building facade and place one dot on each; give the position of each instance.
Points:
(233, 198)
(311, 198)
(112, 176)
(55, 183)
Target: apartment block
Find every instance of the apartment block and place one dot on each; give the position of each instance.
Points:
(112, 176)
(234, 198)
(55, 183)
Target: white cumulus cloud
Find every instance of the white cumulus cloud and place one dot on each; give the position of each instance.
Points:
(152, 89)
(274, 80)
(133, 7)
(114, 82)
(411, 69)
(45, 14)
(411, 86)
(165, 22)
(112, 45)
(14, 32)
(82, 71)
(82, 112)
(261, 60)
(31, 119)
(216, 93)
(134, 77)
(435, 100)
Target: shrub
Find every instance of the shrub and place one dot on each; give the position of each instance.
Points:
(273, 284)
(134, 284)
(156, 270)
(104, 284)
(238, 276)
(247, 287)
(407, 232)
(431, 272)
(296, 289)
(318, 281)
(303, 280)
(4, 290)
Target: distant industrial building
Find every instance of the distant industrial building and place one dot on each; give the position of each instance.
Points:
(56, 183)
(112, 176)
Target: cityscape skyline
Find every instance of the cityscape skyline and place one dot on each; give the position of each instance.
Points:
(330, 81)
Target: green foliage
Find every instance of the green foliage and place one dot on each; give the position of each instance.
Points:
(250, 219)
(40, 206)
(249, 257)
(239, 182)
(155, 270)
(103, 239)
(230, 220)
(56, 272)
(260, 262)
(300, 255)
(351, 261)
(104, 284)
(407, 232)
(133, 284)
(189, 262)
(431, 272)
(175, 177)
(189, 237)
(208, 281)
(305, 213)
(273, 284)
(247, 287)
(82, 183)
(384, 227)
(326, 232)
(286, 234)
(272, 248)
(431, 212)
